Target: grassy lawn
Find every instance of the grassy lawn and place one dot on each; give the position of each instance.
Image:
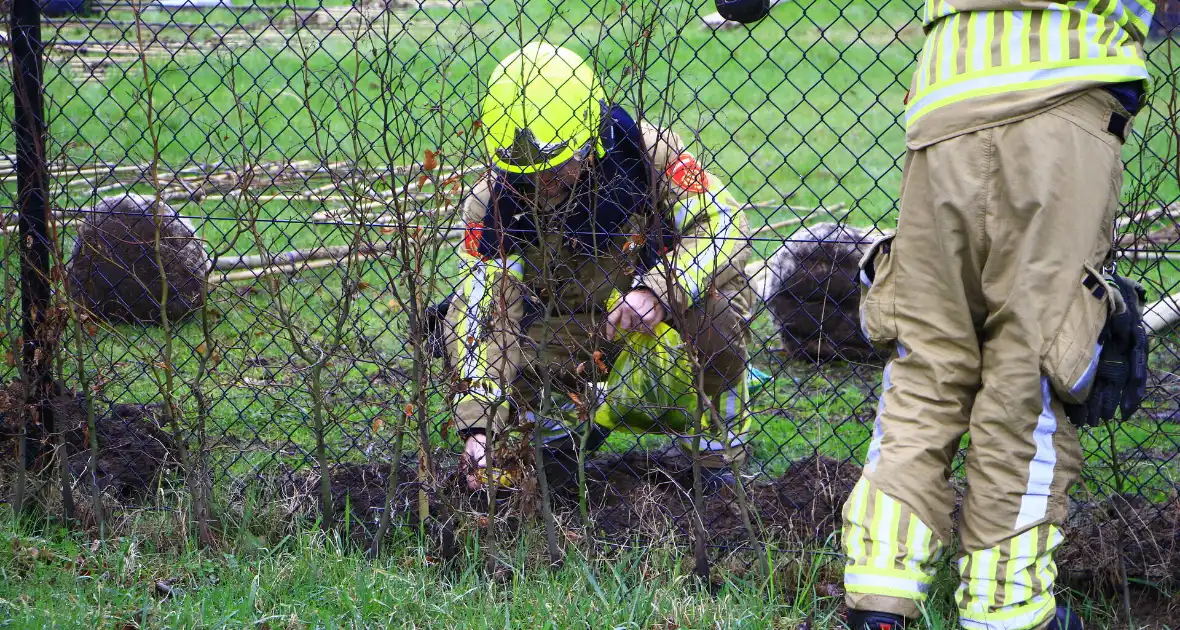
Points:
(309, 580)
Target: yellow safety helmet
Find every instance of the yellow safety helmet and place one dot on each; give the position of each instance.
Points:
(542, 108)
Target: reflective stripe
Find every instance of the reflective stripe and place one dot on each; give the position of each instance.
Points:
(719, 244)
(854, 534)
(1024, 606)
(1035, 502)
(1087, 377)
(977, 41)
(1088, 37)
(1141, 13)
(730, 404)
(1118, 13)
(878, 561)
(733, 405)
(878, 431)
(467, 332)
(683, 212)
(1039, 57)
(1018, 38)
(1054, 39)
(481, 275)
(918, 545)
(1046, 568)
(985, 575)
(859, 582)
(887, 518)
(735, 440)
(950, 25)
(1025, 79)
(1018, 579)
(1023, 618)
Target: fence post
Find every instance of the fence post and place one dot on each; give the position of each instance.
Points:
(32, 203)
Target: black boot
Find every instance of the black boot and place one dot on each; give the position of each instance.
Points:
(713, 479)
(868, 620)
(1065, 620)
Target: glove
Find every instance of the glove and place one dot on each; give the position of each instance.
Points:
(436, 314)
(744, 11)
(1121, 379)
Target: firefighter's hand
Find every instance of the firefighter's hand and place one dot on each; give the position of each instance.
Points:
(475, 452)
(639, 310)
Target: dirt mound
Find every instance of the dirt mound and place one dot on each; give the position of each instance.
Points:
(646, 493)
(1146, 535)
(811, 288)
(357, 489)
(132, 448)
(115, 272)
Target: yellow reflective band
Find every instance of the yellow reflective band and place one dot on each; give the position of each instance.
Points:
(918, 541)
(474, 289)
(1043, 38)
(477, 287)
(1019, 618)
(1018, 585)
(1033, 49)
(950, 52)
(1024, 606)
(867, 580)
(1139, 15)
(1045, 567)
(484, 392)
(695, 264)
(1105, 70)
(976, 573)
(976, 40)
(890, 525)
(854, 530)
(1013, 42)
(1088, 37)
(879, 532)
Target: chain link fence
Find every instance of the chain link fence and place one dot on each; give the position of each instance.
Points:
(253, 209)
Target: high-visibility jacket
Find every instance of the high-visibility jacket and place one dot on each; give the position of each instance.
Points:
(986, 62)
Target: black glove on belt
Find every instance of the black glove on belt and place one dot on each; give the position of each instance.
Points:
(1121, 379)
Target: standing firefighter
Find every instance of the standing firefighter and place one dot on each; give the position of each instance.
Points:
(992, 296)
(607, 224)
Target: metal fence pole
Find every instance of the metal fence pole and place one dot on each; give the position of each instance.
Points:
(33, 210)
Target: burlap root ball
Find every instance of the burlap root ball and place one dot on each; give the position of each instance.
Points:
(114, 272)
(810, 288)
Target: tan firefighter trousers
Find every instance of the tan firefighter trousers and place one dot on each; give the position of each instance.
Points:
(990, 294)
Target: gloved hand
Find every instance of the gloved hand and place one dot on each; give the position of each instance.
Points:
(1121, 380)
(744, 11)
(436, 315)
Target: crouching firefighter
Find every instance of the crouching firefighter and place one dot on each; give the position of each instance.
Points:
(606, 223)
(997, 298)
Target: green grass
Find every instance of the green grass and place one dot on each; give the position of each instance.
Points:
(52, 579)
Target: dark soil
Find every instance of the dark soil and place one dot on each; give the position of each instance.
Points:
(648, 492)
(132, 448)
(1146, 536)
(646, 495)
(358, 489)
